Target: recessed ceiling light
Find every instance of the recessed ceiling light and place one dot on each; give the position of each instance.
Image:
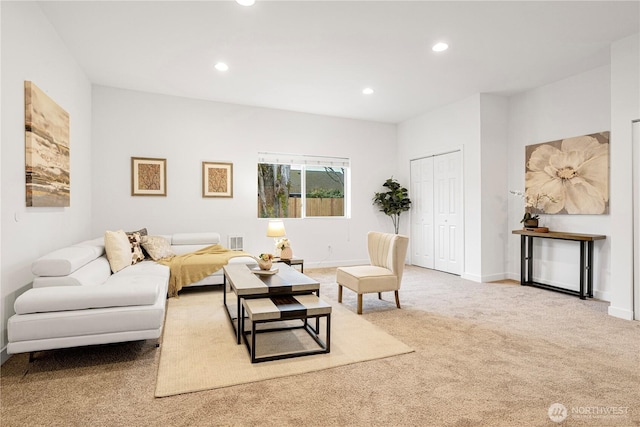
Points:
(440, 47)
(221, 66)
(246, 2)
(367, 91)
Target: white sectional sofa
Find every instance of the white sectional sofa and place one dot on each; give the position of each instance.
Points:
(77, 301)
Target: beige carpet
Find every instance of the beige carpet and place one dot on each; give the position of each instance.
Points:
(486, 354)
(199, 351)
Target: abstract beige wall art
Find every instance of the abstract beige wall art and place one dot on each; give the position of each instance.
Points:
(217, 179)
(572, 172)
(47, 172)
(148, 176)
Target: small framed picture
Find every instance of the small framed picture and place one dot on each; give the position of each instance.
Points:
(217, 179)
(148, 176)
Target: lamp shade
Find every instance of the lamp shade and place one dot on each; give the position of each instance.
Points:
(275, 229)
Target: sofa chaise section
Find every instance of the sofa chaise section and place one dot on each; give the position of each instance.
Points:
(76, 300)
(58, 317)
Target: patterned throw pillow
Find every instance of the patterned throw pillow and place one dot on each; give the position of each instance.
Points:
(143, 232)
(136, 250)
(157, 247)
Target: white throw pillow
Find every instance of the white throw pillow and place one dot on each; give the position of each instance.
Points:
(157, 247)
(118, 249)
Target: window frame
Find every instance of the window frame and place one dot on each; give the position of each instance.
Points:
(303, 161)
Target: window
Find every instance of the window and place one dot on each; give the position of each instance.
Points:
(299, 186)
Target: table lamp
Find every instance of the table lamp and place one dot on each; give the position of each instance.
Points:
(276, 230)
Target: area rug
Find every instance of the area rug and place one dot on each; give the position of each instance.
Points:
(199, 351)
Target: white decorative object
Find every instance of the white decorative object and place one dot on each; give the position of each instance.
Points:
(284, 246)
(286, 253)
(265, 265)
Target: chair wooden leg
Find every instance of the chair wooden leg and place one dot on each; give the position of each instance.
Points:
(359, 303)
(339, 293)
(397, 300)
(379, 295)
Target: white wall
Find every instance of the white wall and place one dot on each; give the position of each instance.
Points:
(456, 126)
(625, 107)
(28, 233)
(478, 126)
(576, 106)
(494, 116)
(187, 132)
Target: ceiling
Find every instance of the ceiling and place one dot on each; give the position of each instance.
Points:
(318, 56)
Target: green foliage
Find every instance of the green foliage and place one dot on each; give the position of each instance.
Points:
(393, 202)
(325, 193)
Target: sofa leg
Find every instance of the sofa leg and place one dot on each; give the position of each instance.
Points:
(397, 300)
(31, 356)
(359, 303)
(339, 293)
(379, 295)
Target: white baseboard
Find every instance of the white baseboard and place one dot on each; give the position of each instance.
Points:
(472, 277)
(621, 313)
(494, 277)
(601, 295)
(335, 263)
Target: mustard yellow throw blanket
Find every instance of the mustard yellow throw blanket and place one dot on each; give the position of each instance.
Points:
(189, 268)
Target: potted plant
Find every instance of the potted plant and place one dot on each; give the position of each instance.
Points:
(533, 204)
(393, 202)
(530, 220)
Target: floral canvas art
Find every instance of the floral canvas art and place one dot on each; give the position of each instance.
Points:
(572, 172)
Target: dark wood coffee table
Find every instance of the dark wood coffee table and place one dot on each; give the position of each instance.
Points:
(246, 285)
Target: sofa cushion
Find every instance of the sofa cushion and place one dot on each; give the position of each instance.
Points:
(96, 245)
(92, 274)
(157, 247)
(144, 268)
(64, 261)
(139, 290)
(118, 249)
(84, 327)
(367, 278)
(205, 239)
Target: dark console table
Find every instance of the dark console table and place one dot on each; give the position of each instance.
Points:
(586, 259)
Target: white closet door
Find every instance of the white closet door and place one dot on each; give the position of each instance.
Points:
(448, 212)
(422, 242)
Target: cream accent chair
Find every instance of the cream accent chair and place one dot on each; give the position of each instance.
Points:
(386, 255)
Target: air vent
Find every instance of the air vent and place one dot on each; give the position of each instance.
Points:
(236, 243)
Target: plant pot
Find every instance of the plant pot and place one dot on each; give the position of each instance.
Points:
(531, 223)
(286, 253)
